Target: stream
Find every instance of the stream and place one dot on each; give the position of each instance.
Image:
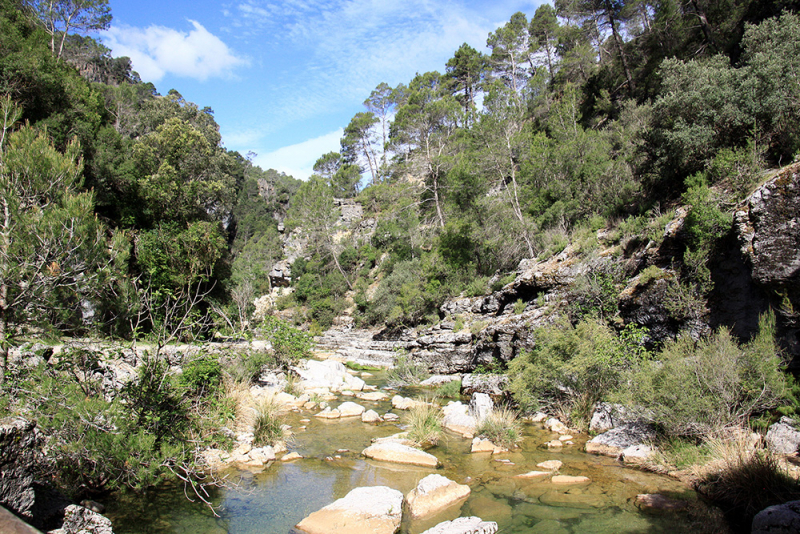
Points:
(277, 498)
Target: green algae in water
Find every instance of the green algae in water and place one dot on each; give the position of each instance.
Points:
(274, 500)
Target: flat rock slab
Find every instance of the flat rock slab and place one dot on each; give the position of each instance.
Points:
(534, 474)
(456, 418)
(613, 442)
(373, 510)
(350, 409)
(433, 494)
(484, 445)
(552, 465)
(564, 479)
(327, 413)
(400, 454)
(464, 525)
(373, 396)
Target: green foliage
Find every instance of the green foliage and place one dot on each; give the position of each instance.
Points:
(700, 388)
(288, 343)
(519, 306)
(201, 375)
(246, 367)
(449, 390)
(267, 423)
(594, 294)
(573, 367)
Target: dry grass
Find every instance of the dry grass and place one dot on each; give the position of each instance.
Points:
(501, 427)
(425, 423)
(267, 422)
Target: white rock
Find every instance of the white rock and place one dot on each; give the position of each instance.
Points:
(433, 494)
(464, 525)
(371, 416)
(350, 409)
(401, 454)
(372, 510)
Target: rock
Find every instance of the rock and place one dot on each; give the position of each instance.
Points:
(552, 465)
(391, 417)
(565, 437)
(328, 374)
(782, 437)
(464, 525)
(372, 510)
(433, 494)
(371, 416)
(80, 520)
(401, 454)
(539, 417)
(350, 409)
(456, 418)
(613, 442)
(564, 479)
(555, 444)
(534, 474)
(438, 380)
(484, 445)
(373, 396)
(636, 454)
(403, 403)
(778, 519)
(294, 455)
(554, 425)
(327, 413)
(658, 502)
(492, 385)
(263, 454)
(401, 438)
(572, 500)
(480, 406)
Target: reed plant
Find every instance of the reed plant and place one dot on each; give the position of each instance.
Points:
(501, 427)
(267, 422)
(425, 423)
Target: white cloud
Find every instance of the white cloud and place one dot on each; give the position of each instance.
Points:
(298, 160)
(156, 51)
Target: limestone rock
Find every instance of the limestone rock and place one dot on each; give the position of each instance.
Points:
(492, 385)
(328, 374)
(294, 455)
(552, 465)
(371, 416)
(438, 380)
(782, 437)
(613, 442)
(401, 438)
(401, 454)
(371, 510)
(464, 525)
(658, 502)
(564, 479)
(350, 409)
(554, 425)
(373, 396)
(484, 445)
(433, 494)
(554, 444)
(456, 418)
(403, 403)
(391, 417)
(636, 454)
(327, 413)
(778, 519)
(480, 406)
(80, 520)
(534, 474)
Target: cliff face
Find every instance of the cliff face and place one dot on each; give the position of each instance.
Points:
(755, 269)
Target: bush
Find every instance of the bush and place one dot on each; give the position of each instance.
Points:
(449, 390)
(406, 373)
(700, 388)
(247, 367)
(425, 423)
(201, 375)
(288, 343)
(501, 427)
(572, 368)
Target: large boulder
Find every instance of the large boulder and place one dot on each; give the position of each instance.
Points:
(778, 519)
(782, 437)
(464, 525)
(433, 494)
(493, 385)
(616, 440)
(480, 406)
(372, 510)
(328, 374)
(456, 418)
(400, 454)
(80, 520)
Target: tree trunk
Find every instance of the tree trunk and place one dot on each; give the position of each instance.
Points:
(618, 42)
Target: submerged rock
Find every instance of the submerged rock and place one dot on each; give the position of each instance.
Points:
(390, 451)
(433, 494)
(464, 525)
(372, 510)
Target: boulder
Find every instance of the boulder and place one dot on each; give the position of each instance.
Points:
(391, 417)
(778, 519)
(80, 520)
(493, 385)
(400, 454)
(403, 403)
(782, 437)
(565, 479)
(371, 510)
(554, 425)
(371, 416)
(456, 418)
(613, 442)
(656, 502)
(350, 409)
(484, 445)
(438, 380)
(636, 454)
(464, 525)
(373, 396)
(327, 413)
(433, 494)
(480, 406)
(552, 465)
(328, 374)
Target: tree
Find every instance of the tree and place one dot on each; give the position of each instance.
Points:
(359, 140)
(544, 35)
(61, 16)
(382, 102)
(52, 250)
(465, 72)
(511, 50)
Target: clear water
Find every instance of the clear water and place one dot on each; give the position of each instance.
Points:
(274, 500)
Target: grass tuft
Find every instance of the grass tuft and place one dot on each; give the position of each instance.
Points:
(425, 423)
(501, 427)
(267, 422)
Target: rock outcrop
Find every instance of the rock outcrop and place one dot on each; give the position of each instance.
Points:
(371, 510)
(433, 494)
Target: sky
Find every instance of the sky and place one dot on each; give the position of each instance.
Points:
(285, 77)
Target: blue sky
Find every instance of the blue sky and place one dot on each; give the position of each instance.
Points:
(284, 77)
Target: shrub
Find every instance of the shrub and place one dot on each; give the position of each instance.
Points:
(519, 306)
(425, 423)
(267, 423)
(201, 375)
(449, 390)
(501, 427)
(247, 367)
(572, 368)
(700, 388)
(406, 372)
(289, 344)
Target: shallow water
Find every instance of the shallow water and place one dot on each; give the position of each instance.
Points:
(274, 500)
